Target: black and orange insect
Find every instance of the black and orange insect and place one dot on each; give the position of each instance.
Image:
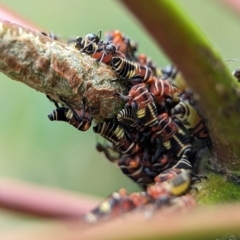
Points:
(116, 205)
(174, 138)
(163, 91)
(141, 169)
(145, 60)
(124, 44)
(89, 43)
(127, 117)
(142, 104)
(158, 196)
(163, 129)
(80, 119)
(175, 186)
(105, 51)
(143, 172)
(119, 136)
(174, 76)
(102, 51)
(187, 113)
(82, 122)
(132, 71)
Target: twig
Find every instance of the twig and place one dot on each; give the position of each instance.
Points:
(42, 201)
(57, 70)
(165, 224)
(234, 5)
(204, 222)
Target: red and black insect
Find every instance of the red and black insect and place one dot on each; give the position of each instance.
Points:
(116, 205)
(89, 43)
(142, 104)
(82, 122)
(105, 51)
(176, 185)
(132, 71)
(121, 138)
(145, 60)
(127, 117)
(163, 91)
(187, 113)
(174, 76)
(143, 172)
(102, 51)
(162, 127)
(168, 174)
(158, 196)
(124, 44)
(141, 169)
(80, 119)
(174, 138)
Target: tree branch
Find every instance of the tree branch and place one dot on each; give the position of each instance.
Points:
(42, 201)
(57, 70)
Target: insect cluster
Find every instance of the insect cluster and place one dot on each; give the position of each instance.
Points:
(155, 138)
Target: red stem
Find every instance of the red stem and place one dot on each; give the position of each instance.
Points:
(233, 4)
(42, 201)
(8, 14)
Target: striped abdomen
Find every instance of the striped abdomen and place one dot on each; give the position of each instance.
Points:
(131, 70)
(124, 68)
(189, 117)
(165, 128)
(127, 118)
(83, 122)
(117, 135)
(59, 114)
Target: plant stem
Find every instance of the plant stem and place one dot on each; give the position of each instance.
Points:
(42, 201)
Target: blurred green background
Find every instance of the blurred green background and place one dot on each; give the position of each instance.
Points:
(55, 154)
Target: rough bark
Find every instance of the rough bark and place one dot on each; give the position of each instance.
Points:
(58, 70)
